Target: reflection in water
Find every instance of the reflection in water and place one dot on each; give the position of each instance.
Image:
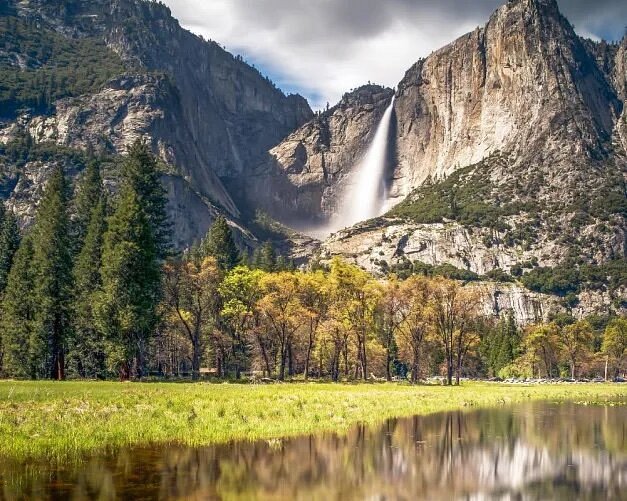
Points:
(535, 451)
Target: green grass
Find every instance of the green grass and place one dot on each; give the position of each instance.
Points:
(60, 421)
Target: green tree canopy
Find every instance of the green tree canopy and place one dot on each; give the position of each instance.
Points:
(219, 244)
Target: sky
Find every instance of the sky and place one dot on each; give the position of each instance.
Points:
(324, 48)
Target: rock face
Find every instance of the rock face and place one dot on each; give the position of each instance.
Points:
(206, 113)
(524, 83)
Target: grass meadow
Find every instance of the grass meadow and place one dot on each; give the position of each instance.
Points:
(65, 420)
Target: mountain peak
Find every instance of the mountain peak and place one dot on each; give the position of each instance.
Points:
(542, 8)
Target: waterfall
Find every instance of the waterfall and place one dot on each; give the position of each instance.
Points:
(365, 197)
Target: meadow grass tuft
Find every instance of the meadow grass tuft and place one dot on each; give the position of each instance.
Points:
(65, 420)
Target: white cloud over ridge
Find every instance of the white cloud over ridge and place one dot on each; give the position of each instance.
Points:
(323, 48)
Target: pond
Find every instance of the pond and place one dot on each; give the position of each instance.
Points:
(531, 451)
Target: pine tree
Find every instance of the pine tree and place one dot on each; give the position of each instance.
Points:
(52, 265)
(140, 172)
(134, 245)
(18, 316)
(264, 258)
(9, 243)
(87, 355)
(86, 198)
(219, 244)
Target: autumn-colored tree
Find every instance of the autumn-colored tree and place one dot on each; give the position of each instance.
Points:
(541, 343)
(191, 295)
(414, 326)
(453, 311)
(576, 341)
(283, 312)
(358, 294)
(314, 293)
(615, 344)
(333, 343)
(390, 313)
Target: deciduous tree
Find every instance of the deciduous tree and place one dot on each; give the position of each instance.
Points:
(191, 295)
(453, 311)
(576, 340)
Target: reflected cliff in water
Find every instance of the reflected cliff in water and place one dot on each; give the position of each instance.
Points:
(535, 451)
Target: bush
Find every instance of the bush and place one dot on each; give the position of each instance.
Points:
(569, 278)
(465, 196)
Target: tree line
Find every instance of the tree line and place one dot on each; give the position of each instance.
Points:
(93, 290)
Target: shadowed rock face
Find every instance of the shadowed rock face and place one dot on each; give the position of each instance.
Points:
(207, 114)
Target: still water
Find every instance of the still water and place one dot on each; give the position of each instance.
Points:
(532, 451)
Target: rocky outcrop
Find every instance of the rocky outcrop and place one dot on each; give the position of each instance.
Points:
(378, 246)
(386, 242)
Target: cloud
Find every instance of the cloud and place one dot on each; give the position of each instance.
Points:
(323, 48)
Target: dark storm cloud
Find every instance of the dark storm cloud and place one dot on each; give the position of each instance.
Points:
(325, 47)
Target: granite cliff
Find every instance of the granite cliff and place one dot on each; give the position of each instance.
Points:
(206, 113)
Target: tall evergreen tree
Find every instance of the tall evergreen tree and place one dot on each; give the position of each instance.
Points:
(9, 243)
(134, 245)
(87, 355)
(264, 258)
(140, 171)
(219, 244)
(19, 340)
(87, 196)
(52, 265)
(503, 344)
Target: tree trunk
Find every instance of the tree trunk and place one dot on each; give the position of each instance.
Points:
(364, 361)
(388, 361)
(307, 356)
(449, 371)
(290, 359)
(196, 360)
(282, 366)
(58, 366)
(124, 372)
